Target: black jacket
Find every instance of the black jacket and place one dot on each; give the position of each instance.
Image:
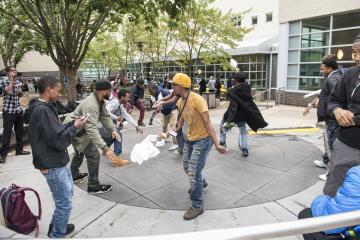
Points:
(243, 109)
(341, 97)
(48, 138)
(324, 97)
(136, 94)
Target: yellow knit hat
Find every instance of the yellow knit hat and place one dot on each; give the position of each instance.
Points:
(182, 79)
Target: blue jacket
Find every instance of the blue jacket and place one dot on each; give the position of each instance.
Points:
(346, 199)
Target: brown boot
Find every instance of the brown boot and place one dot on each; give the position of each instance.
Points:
(192, 213)
(119, 162)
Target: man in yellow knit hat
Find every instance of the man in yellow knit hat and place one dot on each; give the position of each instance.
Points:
(199, 139)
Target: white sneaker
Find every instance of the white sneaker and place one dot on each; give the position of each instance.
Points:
(320, 163)
(323, 176)
(173, 147)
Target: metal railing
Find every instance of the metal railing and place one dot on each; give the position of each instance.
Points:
(266, 231)
(279, 95)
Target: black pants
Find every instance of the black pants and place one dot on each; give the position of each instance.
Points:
(306, 213)
(11, 120)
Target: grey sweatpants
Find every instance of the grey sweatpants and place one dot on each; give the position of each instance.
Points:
(342, 159)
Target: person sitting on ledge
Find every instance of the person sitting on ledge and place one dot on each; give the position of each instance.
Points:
(345, 200)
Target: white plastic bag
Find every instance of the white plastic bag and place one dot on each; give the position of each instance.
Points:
(144, 151)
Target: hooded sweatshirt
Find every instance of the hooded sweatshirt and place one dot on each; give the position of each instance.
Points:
(48, 138)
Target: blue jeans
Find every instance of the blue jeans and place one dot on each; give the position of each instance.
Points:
(242, 140)
(194, 158)
(117, 144)
(331, 128)
(181, 137)
(61, 186)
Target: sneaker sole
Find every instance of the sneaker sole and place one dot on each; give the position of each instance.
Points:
(100, 192)
(79, 180)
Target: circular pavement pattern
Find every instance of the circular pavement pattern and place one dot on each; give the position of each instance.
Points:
(277, 167)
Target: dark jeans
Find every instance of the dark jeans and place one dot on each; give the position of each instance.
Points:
(306, 213)
(331, 128)
(93, 161)
(11, 120)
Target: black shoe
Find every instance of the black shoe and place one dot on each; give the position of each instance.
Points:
(99, 189)
(141, 124)
(192, 213)
(22, 152)
(69, 229)
(80, 177)
(2, 159)
(245, 152)
(205, 184)
(150, 122)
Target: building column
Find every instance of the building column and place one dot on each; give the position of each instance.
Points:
(283, 55)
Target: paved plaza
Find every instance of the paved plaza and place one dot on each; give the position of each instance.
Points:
(273, 184)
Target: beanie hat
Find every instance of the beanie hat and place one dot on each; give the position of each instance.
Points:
(182, 79)
(103, 85)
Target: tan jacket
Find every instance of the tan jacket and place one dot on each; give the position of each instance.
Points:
(90, 131)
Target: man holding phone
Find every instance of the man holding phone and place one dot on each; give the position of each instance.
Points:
(47, 135)
(12, 114)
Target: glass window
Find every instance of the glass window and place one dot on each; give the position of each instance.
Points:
(242, 58)
(344, 37)
(310, 83)
(310, 70)
(293, 56)
(294, 28)
(315, 40)
(243, 67)
(260, 58)
(316, 25)
(293, 70)
(294, 42)
(254, 20)
(252, 75)
(342, 53)
(346, 20)
(253, 58)
(313, 55)
(269, 17)
(252, 67)
(292, 83)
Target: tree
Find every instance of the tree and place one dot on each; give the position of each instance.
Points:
(205, 32)
(16, 41)
(68, 26)
(104, 54)
(160, 42)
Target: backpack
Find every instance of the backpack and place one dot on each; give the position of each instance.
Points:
(17, 214)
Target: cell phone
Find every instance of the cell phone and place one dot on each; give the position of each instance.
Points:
(86, 116)
(173, 133)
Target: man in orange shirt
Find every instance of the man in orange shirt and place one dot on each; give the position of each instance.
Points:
(199, 139)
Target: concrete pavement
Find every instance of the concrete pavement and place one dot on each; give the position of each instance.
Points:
(98, 217)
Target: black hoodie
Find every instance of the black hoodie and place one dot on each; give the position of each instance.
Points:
(48, 138)
(243, 109)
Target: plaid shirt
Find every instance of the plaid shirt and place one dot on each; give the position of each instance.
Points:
(11, 101)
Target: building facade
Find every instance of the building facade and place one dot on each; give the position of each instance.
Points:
(310, 30)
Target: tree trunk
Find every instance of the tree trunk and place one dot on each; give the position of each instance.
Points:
(71, 84)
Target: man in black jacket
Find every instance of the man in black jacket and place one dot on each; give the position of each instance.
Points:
(49, 140)
(136, 99)
(241, 110)
(329, 68)
(345, 106)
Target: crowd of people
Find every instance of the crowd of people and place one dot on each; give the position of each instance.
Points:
(97, 123)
